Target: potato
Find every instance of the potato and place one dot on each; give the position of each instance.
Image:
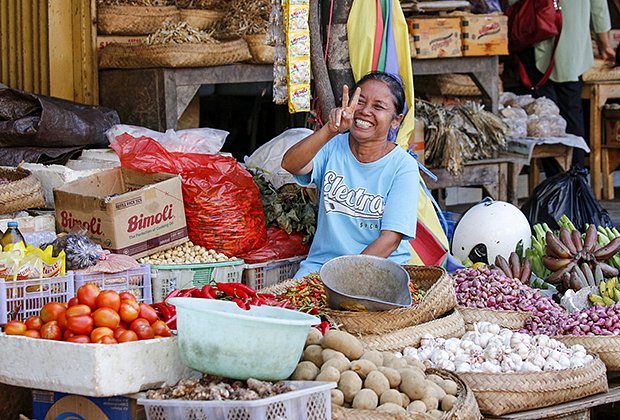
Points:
(387, 357)
(392, 376)
(329, 374)
(343, 342)
(377, 382)
(413, 362)
(397, 363)
(374, 356)
(437, 414)
(314, 337)
(435, 378)
(412, 384)
(416, 406)
(305, 371)
(330, 354)
(392, 396)
(366, 399)
(340, 363)
(406, 399)
(391, 408)
(448, 402)
(313, 353)
(337, 397)
(431, 403)
(362, 367)
(450, 387)
(350, 384)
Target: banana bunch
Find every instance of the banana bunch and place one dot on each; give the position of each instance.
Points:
(537, 251)
(567, 223)
(514, 268)
(609, 292)
(605, 237)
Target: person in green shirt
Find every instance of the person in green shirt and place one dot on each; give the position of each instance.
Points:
(573, 57)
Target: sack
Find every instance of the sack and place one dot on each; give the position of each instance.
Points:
(567, 193)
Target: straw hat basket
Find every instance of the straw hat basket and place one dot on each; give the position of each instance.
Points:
(173, 55)
(261, 52)
(607, 347)
(455, 84)
(23, 191)
(601, 71)
(465, 407)
(513, 320)
(503, 393)
(201, 18)
(134, 20)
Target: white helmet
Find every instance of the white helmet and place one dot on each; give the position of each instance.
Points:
(488, 229)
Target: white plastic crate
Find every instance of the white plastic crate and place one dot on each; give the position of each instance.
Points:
(166, 278)
(311, 401)
(23, 298)
(261, 275)
(136, 281)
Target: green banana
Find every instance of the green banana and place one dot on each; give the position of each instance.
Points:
(595, 299)
(617, 295)
(608, 301)
(615, 231)
(602, 287)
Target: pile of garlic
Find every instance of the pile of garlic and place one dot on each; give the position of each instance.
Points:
(492, 349)
(186, 253)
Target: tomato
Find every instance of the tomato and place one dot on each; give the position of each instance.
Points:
(87, 295)
(126, 296)
(51, 310)
(51, 331)
(127, 336)
(79, 309)
(124, 324)
(144, 332)
(67, 335)
(32, 334)
(84, 339)
(73, 301)
(119, 331)
(147, 312)
(138, 322)
(34, 322)
(99, 332)
(62, 321)
(106, 339)
(15, 328)
(161, 329)
(129, 310)
(81, 324)
(106, 317)
(109, 299)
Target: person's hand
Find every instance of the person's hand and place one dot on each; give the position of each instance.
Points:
(341, 119)
(608, 54)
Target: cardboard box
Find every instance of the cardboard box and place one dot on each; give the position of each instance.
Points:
(436, 37)
(416, 142)
(125, 211)
(104, 40)
(48, 405)
(484, 34)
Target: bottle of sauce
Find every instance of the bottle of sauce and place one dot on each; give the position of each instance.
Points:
(12, 235)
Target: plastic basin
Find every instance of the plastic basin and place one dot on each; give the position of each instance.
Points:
(219, 338)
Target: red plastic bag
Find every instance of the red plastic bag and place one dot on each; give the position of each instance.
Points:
(222, 203)
(279, 245)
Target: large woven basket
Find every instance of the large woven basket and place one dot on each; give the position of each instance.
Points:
(503, 393)
(513, 320)
(261, 52)
(607, 347)
(449, 326)
(173, 55)
(24, 190)
(200, 18)
(134, 20)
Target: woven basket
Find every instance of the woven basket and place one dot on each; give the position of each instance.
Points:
(503, 393)
(448, 326)
(173, 55)
(23, 192)
(606, 347)
(134, 20)
(513, 320)
(601, 72)
(200, 18)
(261, 52)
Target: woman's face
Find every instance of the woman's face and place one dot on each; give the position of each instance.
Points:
(374, 114)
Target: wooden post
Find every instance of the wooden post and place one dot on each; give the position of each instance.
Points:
(338, 65)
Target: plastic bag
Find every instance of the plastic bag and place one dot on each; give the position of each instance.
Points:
(542, 107)
(516, 120)
(279, 245)
(193, 140)
(222, 203)
(567, 193)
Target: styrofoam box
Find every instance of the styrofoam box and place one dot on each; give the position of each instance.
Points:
(95, 370)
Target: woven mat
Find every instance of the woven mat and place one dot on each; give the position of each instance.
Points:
(601, 71)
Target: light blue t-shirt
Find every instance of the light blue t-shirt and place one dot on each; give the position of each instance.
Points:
(358, 200)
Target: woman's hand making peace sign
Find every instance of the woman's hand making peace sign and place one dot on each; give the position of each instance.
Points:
(341, 119)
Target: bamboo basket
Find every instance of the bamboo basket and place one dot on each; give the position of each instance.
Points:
(513, 320)
(261, 52)
(201, 18)
(134, 20)
(607, 347)
(24, 190)
(503, 393)
(448, 326)
(173, 55)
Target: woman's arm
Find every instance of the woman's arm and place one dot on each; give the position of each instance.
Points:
(298, 159)
(384, 245)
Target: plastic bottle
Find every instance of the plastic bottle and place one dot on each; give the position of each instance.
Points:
(12, 235)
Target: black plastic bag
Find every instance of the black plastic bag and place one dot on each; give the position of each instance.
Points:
(567, 193)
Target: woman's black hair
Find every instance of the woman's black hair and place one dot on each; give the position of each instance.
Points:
(393, 83)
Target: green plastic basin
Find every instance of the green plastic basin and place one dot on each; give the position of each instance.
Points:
(219, 338)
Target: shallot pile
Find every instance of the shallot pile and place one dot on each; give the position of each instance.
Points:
(597, 320)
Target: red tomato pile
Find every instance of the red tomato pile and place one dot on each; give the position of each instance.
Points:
(93, 316)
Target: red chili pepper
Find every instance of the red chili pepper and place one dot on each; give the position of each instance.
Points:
(207, 292)
(172, 309)
(172, 322)
(196, 292)
(172, 294)
(188, 292)
(165, 312)
(323, 327)
(232, 290)
(238, 287)
(242, 304)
